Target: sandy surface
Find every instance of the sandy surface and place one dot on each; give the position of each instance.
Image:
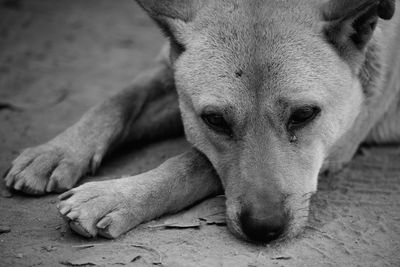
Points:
(57, 58)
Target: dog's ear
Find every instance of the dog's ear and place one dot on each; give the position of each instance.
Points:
(351, 23)
(184, 10)
(172, 15)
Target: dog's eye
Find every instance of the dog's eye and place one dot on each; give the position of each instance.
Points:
(217, 122)
(302, 116)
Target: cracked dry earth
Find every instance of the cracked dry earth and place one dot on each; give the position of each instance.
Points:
(58, 58)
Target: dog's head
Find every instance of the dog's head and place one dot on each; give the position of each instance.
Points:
(266, 88)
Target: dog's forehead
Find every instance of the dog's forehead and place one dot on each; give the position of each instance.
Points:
(259, 53)
(254, 48)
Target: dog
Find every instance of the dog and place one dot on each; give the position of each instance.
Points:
(270, 93)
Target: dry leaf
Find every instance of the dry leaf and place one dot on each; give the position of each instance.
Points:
(107, 260)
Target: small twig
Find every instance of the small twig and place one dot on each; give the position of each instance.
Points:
(87, 246)
(176, 225)
(161, 225)
(10, 106)
(281, 258)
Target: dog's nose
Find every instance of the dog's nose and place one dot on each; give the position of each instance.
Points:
(263, 228)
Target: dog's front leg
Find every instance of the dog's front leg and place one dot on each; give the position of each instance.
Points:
(111, 208)
(58, 164)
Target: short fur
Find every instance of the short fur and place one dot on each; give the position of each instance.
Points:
(254, 62)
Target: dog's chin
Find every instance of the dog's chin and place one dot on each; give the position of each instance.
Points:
(232, 221)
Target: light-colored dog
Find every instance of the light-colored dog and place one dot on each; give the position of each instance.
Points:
(270, 93)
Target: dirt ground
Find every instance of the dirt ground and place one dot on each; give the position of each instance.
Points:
(58, 58)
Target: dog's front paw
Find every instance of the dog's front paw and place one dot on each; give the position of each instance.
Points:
(46, 168)
(101, 208)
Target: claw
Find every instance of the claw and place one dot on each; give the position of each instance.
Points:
(50, 185)
(106, 221)
(65, 195)
(106, 234)
(76, 227)
(72, 215)
(64, 210)
(9, 181)
(6, 172)
(18, 185)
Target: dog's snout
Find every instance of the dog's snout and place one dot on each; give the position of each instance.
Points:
(265, 227)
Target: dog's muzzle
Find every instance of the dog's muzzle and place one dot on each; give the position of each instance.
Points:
(266, 225)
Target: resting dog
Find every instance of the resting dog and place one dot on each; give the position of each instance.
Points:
(269, 93)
